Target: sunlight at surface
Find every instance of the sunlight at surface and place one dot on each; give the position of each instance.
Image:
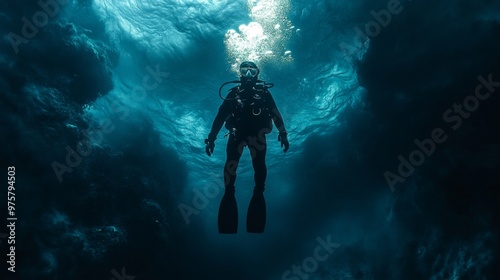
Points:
(266, 37)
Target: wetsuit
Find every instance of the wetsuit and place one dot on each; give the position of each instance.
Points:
(248, 112)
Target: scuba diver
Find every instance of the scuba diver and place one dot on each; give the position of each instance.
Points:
(248, 111)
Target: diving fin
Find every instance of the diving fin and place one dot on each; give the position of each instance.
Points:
(256, 216)
(228, 213)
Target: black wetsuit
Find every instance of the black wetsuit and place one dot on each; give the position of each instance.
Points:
(248, 113)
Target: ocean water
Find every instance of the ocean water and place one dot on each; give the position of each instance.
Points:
(391, 108)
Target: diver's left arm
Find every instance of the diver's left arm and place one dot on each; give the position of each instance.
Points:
(278, 122)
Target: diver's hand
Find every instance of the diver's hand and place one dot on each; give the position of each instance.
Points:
(283, 138)
(209, 148)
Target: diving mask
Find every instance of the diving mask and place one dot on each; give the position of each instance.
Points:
(249, 72)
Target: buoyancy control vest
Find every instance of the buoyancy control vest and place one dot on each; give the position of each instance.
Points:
(250, 110)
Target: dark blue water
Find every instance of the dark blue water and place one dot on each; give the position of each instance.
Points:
(391, 109)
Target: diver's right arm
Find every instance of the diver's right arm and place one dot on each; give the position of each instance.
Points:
(216, 126)
(219, 120)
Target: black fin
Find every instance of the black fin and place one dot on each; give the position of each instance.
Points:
(228, 214)
(256, 216)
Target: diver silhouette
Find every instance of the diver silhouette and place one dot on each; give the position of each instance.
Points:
(248, 111)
